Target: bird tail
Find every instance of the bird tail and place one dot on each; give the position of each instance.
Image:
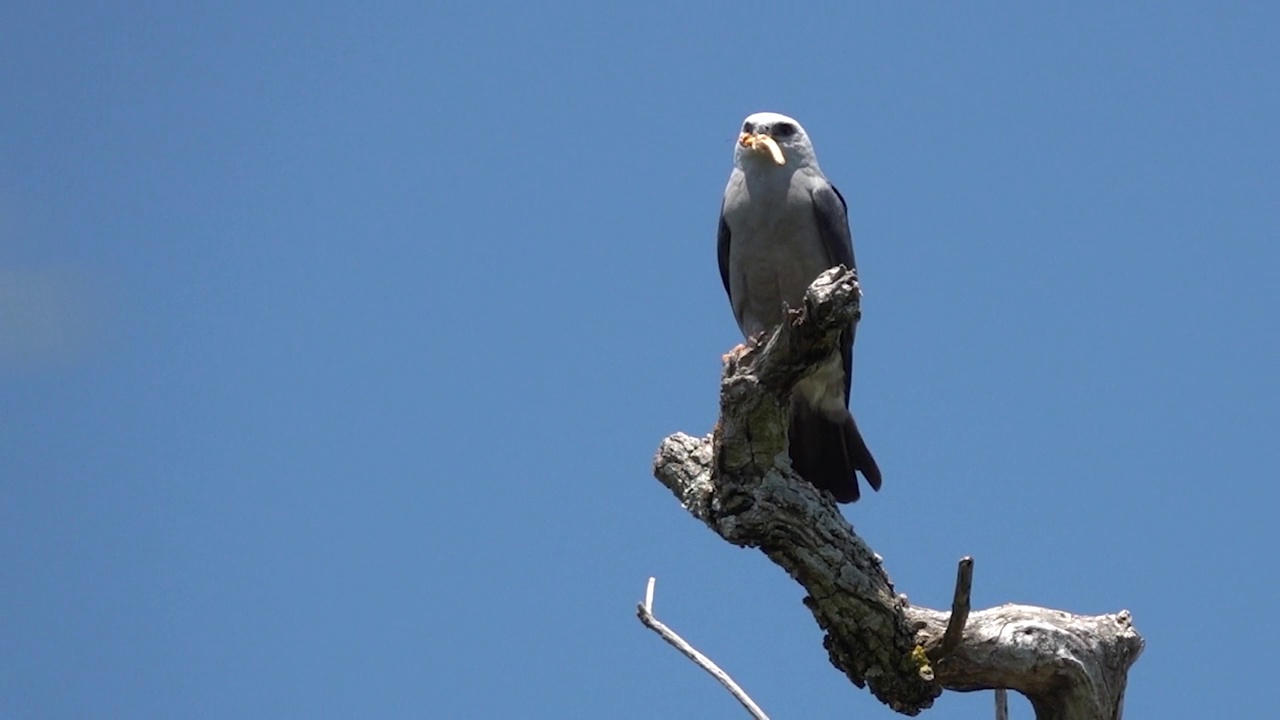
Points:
(828, 452)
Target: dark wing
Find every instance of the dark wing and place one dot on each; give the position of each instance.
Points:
(833, 224)
(722, 251)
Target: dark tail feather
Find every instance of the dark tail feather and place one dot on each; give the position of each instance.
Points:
(827, 453)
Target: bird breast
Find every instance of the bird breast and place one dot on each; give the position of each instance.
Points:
(775, 252)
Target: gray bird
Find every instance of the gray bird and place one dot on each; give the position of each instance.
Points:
(781, 225)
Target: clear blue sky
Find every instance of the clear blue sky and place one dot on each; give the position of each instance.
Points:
(335, 343)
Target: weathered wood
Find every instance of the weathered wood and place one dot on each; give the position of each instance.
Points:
(739, 482)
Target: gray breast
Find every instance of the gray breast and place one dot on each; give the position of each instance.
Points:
(775, 250)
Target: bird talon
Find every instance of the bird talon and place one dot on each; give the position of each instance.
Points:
(736, 353)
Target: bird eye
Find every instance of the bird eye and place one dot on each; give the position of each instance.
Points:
(784, 130)
(746, 127)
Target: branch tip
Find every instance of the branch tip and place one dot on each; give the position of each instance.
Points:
(960, 601)
(645, 612)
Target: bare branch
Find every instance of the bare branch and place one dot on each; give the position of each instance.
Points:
(1002, 704)
(645, 612)
(959, 611)
(740, 483)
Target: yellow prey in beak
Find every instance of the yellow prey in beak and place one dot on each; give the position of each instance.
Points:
(761, 142)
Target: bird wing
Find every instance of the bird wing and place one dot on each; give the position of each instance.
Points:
(832, 215)
(722, 250)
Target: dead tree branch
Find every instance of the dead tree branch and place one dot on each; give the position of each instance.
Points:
(644, 611)
(959, 612)
(739, 482)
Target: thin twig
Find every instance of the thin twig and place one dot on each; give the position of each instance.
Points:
(1002, 704)
(645, 612)
(959, 610)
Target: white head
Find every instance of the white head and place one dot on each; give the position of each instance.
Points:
(772, 139)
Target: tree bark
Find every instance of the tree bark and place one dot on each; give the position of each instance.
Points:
(739, 482)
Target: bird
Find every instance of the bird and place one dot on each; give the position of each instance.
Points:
(782, 223)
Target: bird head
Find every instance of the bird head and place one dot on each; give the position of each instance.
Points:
(773, 139)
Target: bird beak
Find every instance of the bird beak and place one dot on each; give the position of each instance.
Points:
(761, 142)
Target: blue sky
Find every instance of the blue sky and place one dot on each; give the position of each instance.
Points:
(335, 343)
